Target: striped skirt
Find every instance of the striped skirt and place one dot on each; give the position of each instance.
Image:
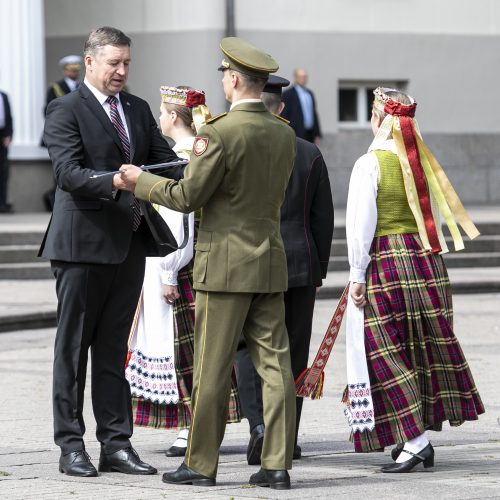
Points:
(165, 416)
(418, 373)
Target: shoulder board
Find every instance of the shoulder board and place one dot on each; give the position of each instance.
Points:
(58, 91)
(281, 118)
(214, 118)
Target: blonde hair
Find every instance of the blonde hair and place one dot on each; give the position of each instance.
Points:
(395, 95)
(183, 112)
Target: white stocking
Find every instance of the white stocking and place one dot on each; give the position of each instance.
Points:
(415, 445)
(181, 441)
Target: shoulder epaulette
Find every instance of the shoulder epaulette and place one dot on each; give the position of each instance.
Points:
(58, 91)
(211, 120)
(281, 118)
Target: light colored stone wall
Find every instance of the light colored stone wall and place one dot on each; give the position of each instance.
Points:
(442, 17)
(446, 50)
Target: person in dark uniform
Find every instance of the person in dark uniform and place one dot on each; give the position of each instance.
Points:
(300, 108)
(6, 133)
(307, 229)
(71, 66)
(238, 174)
(97, 241)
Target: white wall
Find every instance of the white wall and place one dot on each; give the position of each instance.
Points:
(67, 18)
(461, 17)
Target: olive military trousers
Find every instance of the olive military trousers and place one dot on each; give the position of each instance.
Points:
(220, 319)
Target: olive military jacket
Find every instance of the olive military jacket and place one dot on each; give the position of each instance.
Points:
(238, 175)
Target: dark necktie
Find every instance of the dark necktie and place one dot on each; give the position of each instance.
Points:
(122, 134)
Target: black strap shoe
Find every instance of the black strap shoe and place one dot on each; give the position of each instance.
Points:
(396, 451)
(297, 452)
(254, 449)
(126, 461)
(77, 463)
(274, 479)
(425, 456)
(176, 451)
(185, 475)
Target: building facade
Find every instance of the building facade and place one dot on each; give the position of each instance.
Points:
(443, 53)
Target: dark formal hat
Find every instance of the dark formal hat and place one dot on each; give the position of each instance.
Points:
(275, 84)
(244, 57)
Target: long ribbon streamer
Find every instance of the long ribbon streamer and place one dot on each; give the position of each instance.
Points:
(310, 381)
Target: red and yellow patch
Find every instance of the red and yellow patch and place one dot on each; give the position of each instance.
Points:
(200, 145)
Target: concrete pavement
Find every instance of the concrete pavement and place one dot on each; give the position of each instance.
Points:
(31, 303)
(467, 458)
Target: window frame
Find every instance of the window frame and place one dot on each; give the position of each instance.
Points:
(361, 87)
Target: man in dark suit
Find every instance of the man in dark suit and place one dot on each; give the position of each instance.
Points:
(300, 108)
(6, 132)
(306, 229)
(97, 242)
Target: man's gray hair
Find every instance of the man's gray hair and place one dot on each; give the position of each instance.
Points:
(101, 37)
(271, 101)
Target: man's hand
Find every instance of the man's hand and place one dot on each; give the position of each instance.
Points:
(127, 180)
(358, 294)
(6, 141)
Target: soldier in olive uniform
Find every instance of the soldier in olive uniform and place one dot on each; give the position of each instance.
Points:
(238, 173)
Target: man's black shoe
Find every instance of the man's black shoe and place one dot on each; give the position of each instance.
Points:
(297, 452)
(184, 475)
(254, 449)
(77, 463)
(126, 461)
(275, 479)
(176, 451)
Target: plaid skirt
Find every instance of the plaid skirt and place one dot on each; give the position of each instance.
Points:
(165, 416)
(418, 373)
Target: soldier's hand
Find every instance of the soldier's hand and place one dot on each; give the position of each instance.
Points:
(127, 180)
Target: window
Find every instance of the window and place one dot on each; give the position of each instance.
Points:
(355, 101)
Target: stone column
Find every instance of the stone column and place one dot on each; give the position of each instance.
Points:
(22, 72)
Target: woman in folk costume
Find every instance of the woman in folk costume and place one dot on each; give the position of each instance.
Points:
(160, 367)
(406, 371)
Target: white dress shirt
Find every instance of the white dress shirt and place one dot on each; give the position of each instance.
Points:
(107, 107)
(241, 101)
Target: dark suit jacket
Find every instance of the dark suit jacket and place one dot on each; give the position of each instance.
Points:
(293, 113)
(307, 218)
(89, 223)
(8, 129)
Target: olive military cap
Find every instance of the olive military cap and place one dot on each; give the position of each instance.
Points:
(245, 58)
(275, 84)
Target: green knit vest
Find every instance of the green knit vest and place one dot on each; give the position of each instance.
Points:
(394, 213)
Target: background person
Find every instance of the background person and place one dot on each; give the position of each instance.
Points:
(6, 133)
(71, 66)
(300, 108)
